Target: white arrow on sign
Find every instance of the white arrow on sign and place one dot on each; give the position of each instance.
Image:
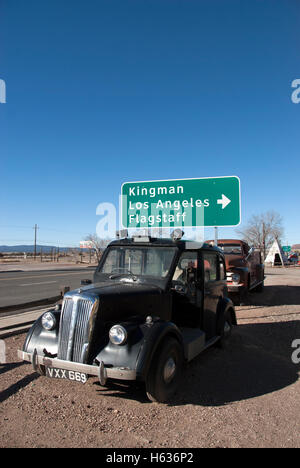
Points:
(224, 201)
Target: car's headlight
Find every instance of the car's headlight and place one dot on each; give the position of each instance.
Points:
(236, 278)
(48, 321)
(118, 334)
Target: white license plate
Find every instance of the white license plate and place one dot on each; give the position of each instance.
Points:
(75, 376)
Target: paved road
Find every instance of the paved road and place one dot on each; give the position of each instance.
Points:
(26, 286)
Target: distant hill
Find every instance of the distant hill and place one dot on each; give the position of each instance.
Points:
(30, 248)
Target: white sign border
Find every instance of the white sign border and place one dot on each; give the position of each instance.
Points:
(176, 180)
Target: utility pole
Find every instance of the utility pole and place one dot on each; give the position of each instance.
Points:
(35, 233)
(264, 241)
(216, 236)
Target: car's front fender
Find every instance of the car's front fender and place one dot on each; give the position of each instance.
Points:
(138, 351)
(225, 306)
(154, 337)
(38, 338)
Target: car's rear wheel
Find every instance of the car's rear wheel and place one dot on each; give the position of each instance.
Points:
(226, 331)
(165, 371)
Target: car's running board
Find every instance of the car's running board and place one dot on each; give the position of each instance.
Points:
(194, 342)
(253, 286)
(212, 341)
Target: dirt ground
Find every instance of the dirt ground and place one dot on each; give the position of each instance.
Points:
(244, 396)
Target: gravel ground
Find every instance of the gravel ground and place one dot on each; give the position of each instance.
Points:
(244, 396)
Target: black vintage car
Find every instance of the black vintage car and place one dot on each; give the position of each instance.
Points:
(154, 304)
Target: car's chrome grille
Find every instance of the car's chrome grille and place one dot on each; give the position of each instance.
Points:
(84, 308)
(64, 329)
(74, 326)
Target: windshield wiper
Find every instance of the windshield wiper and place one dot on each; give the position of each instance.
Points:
(118, 275)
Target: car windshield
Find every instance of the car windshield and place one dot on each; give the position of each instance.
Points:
(138, 261)
(231, 248)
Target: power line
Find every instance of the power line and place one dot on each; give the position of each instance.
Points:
(40, 242)
(42, 228)
(35, 233)
(36, 227)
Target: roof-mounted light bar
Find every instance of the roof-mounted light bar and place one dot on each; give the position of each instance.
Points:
(122, 234)
(177, 234)
(141, 238)
(141, 235)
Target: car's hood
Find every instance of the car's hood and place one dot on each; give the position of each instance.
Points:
(119, 287)
(119, 300)
(234, 261)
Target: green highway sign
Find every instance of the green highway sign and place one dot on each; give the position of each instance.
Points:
(286, 248)
(213, 201)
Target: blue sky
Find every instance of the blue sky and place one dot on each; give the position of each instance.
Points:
(104, 92)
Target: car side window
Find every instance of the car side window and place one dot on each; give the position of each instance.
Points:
(186, 266)
(222, 269)
(210, 266)
(111, 262)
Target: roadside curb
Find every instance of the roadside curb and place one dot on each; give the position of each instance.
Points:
(27, 305)
(11, 271)
(19, 323)
(63, 268)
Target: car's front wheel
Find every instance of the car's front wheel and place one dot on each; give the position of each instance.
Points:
(165, 371)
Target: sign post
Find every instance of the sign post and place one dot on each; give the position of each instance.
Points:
(86, 245)
(216, 235)
(210, 202)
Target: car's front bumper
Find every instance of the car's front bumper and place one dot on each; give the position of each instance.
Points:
(103, 373)
(235, 287)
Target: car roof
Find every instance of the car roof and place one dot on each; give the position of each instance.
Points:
(229, 241)
(165, 242)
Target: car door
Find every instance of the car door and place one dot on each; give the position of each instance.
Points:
(213, 270)
(187, 303)
(250, 259)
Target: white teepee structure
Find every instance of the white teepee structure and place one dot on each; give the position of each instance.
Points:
(276, 255)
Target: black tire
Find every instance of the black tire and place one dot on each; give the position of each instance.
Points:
(260, 287)
(165, 371)
(236, 298)
(244, 296)
(226, 331)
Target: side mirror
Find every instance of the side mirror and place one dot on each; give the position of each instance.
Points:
(180, 289)
(250, 253)
(64, 290)
(85, 282)
(191, 276)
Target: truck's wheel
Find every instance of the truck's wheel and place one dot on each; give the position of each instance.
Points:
(165, 371)
(236, 298)
(260, 287)
(244, 292)
(244, 296)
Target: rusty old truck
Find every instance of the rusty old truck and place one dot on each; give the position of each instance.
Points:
(244, 267)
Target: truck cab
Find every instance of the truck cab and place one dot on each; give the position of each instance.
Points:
(153, 305)
(245, 268)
